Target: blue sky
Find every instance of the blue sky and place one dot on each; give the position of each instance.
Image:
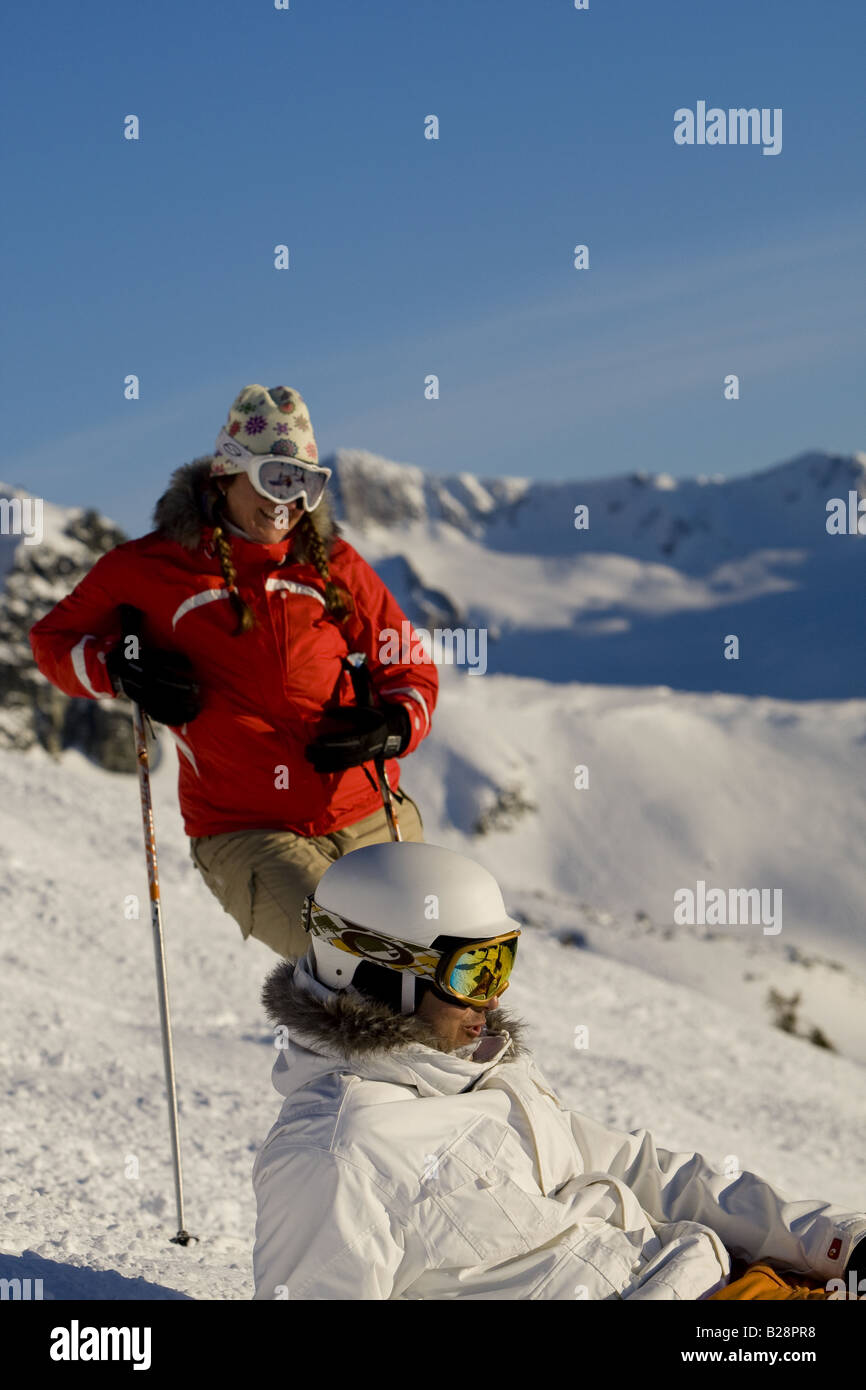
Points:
(411, 256)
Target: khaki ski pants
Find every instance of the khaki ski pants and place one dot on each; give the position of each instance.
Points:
(261, 877)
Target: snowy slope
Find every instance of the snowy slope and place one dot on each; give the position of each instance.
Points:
(736, 792)
(740, 788)
(82, 1067)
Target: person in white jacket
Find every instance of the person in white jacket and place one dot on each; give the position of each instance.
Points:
(421, 1154)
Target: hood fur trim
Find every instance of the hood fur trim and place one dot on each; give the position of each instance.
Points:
(189, 503)
(355, 1026)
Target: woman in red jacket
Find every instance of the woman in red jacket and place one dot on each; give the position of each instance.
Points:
(250, 603)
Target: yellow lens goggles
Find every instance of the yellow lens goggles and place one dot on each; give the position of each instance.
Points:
(478, 972)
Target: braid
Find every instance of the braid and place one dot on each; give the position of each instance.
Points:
(245, 615)
(337, 601)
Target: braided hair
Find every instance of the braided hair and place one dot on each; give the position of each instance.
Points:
(338, 602)
(245, 615)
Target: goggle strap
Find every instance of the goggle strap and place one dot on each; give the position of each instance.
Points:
(420, 962)
(240, 456)
(229, 448)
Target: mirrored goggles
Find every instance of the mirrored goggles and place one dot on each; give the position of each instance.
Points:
(478, 971)
(279, 478)
(472, 973)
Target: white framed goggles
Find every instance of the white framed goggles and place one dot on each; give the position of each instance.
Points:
(471, 973)
(275, 476)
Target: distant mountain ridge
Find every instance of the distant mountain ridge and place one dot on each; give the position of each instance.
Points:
(34, 577)
(648, 516)
(643, 596)
(647, 592)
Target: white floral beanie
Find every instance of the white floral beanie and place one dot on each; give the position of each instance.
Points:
(271, 421)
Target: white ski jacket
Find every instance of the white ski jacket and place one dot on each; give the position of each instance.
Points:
(398, 1171)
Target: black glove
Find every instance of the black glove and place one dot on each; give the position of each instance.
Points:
(358, 734)
(162, 682)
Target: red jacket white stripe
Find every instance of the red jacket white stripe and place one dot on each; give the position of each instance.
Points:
(242, 763)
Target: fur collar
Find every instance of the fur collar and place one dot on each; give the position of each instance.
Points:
(188, 505)
(347, 1022)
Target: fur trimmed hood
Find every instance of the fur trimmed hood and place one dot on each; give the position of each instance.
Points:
(190, 501)
(347, 1023)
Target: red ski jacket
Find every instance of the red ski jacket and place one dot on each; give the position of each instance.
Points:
(241, 760)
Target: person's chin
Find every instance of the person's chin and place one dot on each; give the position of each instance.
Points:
(266, 532)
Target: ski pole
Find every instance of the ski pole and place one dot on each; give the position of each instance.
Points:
(387, 799)
(360, 677)
(131, 622)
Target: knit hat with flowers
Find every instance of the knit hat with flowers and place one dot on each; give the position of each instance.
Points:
(270, 421)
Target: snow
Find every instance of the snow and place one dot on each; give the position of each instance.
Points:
(649, 592)
(604, 652)
(678, 1041)
(708, 520)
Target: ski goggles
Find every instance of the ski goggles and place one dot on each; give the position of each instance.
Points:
(471, 973)
(279, 478)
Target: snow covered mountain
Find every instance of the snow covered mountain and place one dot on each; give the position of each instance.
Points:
(724, 1038)
(647, 591)
(696, 524)
(35, 574)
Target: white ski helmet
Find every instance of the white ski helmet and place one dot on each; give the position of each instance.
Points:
(395, 892)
